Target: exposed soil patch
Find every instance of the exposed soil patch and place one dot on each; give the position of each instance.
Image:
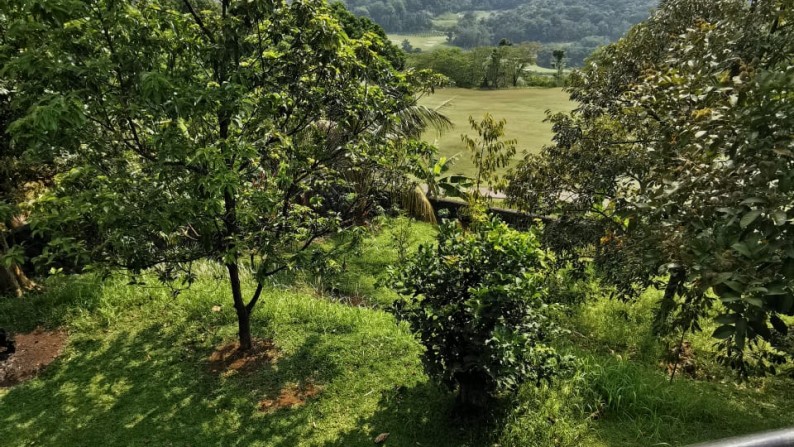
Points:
(228, 359)
(34, 351)
(290, 396)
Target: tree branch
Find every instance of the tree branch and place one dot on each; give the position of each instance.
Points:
(198, 21)
(250, 306)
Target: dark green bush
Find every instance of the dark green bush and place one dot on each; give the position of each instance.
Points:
(478, 302)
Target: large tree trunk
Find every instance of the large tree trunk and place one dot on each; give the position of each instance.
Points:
(14, 280)
(243, 314)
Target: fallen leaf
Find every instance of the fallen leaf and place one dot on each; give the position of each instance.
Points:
(381, 438)
(216, 308)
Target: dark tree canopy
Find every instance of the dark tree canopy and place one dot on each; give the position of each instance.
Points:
(580, 26)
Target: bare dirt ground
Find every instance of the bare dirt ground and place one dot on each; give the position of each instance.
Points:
(290, 396)
(228, 359)
(34, 351)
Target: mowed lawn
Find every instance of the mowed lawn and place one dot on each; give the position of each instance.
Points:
(524, 109)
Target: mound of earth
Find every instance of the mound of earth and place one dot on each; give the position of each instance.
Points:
(34, 351)
(228, 359)
(291, 396)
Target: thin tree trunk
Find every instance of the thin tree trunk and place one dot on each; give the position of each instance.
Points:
(13, 279)
(667, 305)
(243, 314)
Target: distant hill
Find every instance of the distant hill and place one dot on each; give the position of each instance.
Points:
(579, 26)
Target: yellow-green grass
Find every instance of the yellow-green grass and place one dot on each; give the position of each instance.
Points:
(449, 20)
(524, 109)
(425, 42)
(543, 70)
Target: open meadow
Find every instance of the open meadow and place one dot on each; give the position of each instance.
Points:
(524, 109)
(422, 41)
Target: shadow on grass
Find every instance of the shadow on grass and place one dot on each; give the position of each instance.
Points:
(141, 387)
(53, 307)
(136, 373)
(422, 415)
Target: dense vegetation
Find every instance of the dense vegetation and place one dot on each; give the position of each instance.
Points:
(502, 66)
(200, 108)
(481, 304)
(215, 200)
(678, 161)
(136, 371)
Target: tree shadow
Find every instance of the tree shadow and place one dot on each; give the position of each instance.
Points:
(51, 307)
(422, 415)
(146, 387)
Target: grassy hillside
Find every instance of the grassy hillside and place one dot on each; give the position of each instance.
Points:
(524, 109)
(137, 372)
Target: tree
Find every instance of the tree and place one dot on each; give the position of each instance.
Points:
(478, 302)
(678, 161)
(518, 59)
(20, 181)
(356, 26)
(559, 62)
(471, 33)
(189, 131)
(488, 153)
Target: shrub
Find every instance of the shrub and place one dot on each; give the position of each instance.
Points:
(478, 302)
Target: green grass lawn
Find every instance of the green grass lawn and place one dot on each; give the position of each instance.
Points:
(135, 372)
(524, 109)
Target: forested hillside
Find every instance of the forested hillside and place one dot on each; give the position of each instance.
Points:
(579, 26)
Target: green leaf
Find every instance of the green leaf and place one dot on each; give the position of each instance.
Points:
(779, 217)
(736, 286)
(742, 248)
(752, 201)
(728, 318)
(754, 300)
(749, 218)
(776, 289)
(724, 332)
(779, 324)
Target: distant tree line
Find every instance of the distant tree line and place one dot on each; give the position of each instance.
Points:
(501, 66)
(415, 15)
(578, 26)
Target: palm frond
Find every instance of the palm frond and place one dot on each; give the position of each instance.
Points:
(416, 204)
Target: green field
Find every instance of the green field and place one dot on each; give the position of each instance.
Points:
(524, 109)
(425, 42)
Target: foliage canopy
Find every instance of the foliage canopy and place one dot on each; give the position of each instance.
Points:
(199, 130)
(680, 157)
